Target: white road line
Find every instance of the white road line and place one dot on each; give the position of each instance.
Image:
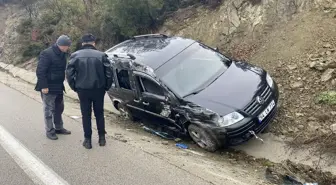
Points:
(39, 172)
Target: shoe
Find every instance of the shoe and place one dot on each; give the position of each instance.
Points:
(63, 131)
(87, 143)
(52, 136)
(102, 141)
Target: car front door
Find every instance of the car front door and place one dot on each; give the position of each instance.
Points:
(155, 101)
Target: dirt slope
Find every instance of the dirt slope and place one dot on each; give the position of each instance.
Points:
(286, 54)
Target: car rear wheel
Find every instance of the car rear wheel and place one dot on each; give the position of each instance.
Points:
(202, 138)
(125, 113)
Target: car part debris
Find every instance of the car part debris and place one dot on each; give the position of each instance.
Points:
(255, 135)
(182, 146)
(161, 134)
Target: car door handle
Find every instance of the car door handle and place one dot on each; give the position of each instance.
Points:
(136, 101)
(145, 103)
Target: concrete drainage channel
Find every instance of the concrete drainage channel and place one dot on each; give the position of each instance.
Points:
(273, 148)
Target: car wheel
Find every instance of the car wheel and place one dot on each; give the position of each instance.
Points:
(202, 138)
(125, 113)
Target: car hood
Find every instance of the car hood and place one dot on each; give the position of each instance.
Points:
(233, 90)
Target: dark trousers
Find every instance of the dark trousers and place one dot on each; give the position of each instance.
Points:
(88, 98)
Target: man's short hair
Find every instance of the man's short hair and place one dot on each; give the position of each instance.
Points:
(88, 38)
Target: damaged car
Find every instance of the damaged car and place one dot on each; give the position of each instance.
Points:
(192, 87)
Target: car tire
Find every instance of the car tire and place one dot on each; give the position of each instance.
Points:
(202, 138)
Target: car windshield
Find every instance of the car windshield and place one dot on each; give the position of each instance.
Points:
(193, 69)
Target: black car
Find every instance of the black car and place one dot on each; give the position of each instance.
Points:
(185, 84)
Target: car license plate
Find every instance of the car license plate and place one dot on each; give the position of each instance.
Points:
(268, 109)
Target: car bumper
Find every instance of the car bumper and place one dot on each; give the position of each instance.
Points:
(241, 132)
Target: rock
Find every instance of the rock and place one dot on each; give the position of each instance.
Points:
(328, 52)
(328, 45)
(333, 128)
(237, 3)
(318, 65)
(123, 140)
(296, 85)
(333, 113)
(301, 127)
(165, 142)
(327, 75)
(331, 64)
(312, 119)
(313, 126)
(177, 139)
(299, 114)
(323, 117)
(292, 67)
(312, 64)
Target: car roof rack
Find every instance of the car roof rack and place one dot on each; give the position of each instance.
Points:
(150, 36)
(129, 55)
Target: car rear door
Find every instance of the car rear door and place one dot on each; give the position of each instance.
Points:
(128, 92)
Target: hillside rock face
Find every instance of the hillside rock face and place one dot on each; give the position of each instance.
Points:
(237, 20)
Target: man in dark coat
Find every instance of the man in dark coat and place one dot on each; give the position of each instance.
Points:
(89, 73)
(50, 74)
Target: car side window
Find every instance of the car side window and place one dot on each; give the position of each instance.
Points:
(147, 85)
(123, 79)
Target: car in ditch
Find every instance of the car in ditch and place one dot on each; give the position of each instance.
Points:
(187, 85)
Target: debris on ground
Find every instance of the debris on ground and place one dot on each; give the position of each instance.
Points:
(282, 179)
(161, 134)
(182, 146)
(75, 117)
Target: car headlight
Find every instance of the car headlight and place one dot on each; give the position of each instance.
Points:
(269, 80)
(230, 119)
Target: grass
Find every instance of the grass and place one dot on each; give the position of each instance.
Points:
(328, 97)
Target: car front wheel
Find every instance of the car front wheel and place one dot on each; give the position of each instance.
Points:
(202, 138)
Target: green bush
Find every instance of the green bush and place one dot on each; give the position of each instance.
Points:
(25, 26)
(32, 50)
(328, 97)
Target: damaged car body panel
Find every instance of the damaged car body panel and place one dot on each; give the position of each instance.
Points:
(189, 86)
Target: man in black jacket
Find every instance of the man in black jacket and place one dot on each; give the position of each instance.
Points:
(89, 73)
(50, 74)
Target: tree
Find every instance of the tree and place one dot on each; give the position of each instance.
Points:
(136, 16)
(30, 7)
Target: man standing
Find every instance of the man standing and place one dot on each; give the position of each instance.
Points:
(89, 73)
(50, 74)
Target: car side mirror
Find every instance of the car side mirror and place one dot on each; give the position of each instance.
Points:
(216, 49)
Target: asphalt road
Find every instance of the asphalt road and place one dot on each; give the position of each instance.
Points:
(28, 157)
